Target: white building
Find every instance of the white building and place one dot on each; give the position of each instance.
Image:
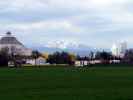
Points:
(119, 49)
(115, 50)
(13, 45)
(38, 61)
(81, 63)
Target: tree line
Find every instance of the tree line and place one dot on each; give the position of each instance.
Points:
(63, 57)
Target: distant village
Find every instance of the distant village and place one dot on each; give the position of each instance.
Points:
(14, 53)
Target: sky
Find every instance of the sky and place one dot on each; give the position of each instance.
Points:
(97, 23)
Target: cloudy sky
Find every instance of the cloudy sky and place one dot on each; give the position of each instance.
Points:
(97, 23)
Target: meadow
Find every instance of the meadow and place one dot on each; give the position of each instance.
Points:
(62, 83)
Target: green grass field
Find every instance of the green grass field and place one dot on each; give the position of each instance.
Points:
(66, 83)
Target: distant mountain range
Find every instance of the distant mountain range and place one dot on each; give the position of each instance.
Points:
(81, 52)
(78, 49)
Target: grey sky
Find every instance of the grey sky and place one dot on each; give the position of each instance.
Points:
(97, 23)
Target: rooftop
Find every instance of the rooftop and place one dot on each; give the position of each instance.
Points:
(9, 39)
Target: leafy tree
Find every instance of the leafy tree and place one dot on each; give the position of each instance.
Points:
(78, 57)
(44, 55)
(15, 56)
(35, 55)
(4, 57)
(103, 55)
(129, 56)
(91, 55)
(61, 58)
(10, 55)
(72, 58)
(98, 55)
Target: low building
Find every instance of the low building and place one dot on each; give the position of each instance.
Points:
(41, 61)
(38, 61)
(115, 61)
(81, 63)
(95, 62)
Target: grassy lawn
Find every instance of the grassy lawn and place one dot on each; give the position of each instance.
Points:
(58, 83)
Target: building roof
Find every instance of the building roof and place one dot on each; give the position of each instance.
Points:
(9, 39)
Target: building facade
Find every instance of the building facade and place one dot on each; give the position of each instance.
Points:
(13, 45)
(119, 49)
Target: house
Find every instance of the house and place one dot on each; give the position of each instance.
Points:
(81, 63)
(38, 61)
(95, 62)
(115, 61)
(41, 61)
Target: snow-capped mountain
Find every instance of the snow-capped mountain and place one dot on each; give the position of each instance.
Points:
(72, 47)
(66, 45)
(61, 44)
